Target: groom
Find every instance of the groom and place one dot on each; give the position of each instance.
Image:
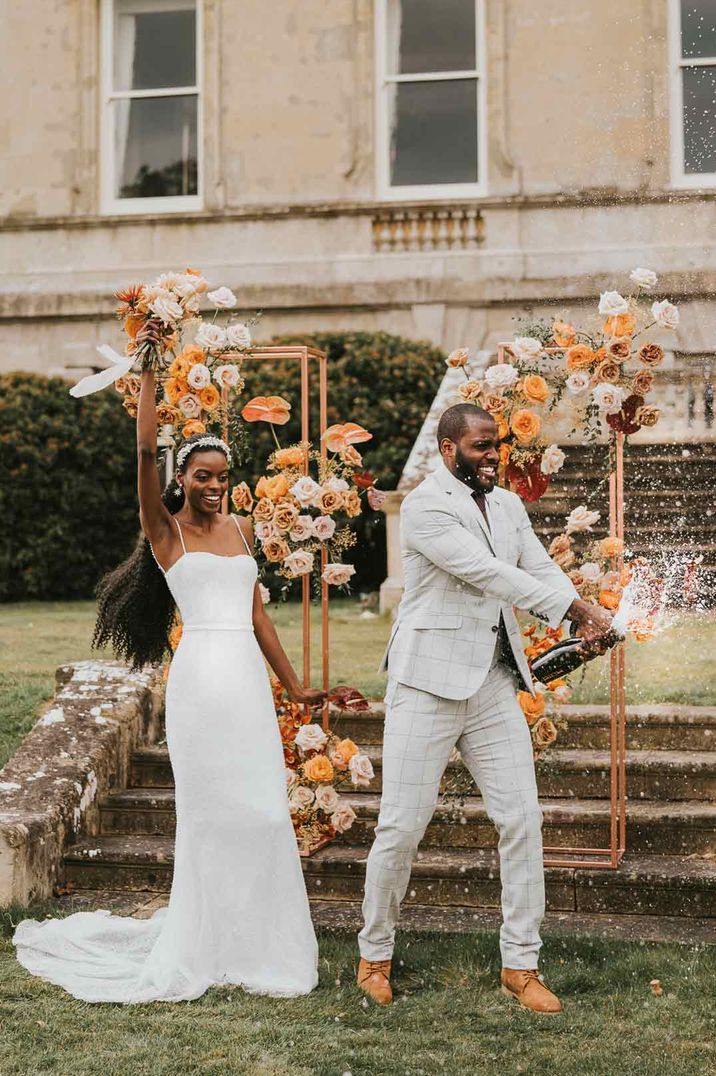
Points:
(454, 661)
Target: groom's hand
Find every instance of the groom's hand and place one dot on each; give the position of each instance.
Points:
(593, 625)
(307, 696)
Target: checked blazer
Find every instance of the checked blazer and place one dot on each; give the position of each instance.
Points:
(460, 578)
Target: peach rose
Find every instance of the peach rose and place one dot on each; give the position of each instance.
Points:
(329, 501)
(470, 390)
(273, 488)
(337, 438)
(276, 550)
(324, 528)
(532, 706)
(289, 457)
(352, 456)
(578, 357)
(535, 388)
(166, 415)
(343, 817)
(544, 733)
(210, 397)
(494, 404)
(619, 350)
(241, 498)
(327, 799)
(273, 409)
(563, 334)
(651, 354)
(300, 562)
(525, 425)
(264, 510)
(319, 768)
(647, 416)
(337, 574)
(611, 547)
(620, 325)
(343, 752)
(131, 405)
(642, 383)
(560, 550)
(194, 425)
(285, 517)
(190, 405)
(459, 357)
(351, 503)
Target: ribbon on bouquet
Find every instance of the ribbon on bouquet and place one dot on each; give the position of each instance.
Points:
(119, 365)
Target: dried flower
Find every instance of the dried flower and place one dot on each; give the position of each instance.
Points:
(651, 354)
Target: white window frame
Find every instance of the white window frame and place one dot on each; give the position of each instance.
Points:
(680, 177)
(426, 192)
(109, 203)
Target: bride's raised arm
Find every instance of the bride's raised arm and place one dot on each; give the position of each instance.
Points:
(154, 517)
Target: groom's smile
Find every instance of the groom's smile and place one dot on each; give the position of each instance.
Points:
(472, 452)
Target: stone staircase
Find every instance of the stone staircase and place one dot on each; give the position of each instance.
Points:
(668, 500)
(669, 870)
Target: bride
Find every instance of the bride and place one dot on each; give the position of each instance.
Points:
(238, 910)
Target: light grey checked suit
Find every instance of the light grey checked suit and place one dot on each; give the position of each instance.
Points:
(448, 685)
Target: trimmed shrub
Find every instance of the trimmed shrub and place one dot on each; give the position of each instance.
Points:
(383, 382)
(67, 488)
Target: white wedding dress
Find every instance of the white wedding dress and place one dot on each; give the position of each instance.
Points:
(238, 910)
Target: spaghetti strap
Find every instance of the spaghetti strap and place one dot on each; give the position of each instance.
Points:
(243, 536)
(181, 536)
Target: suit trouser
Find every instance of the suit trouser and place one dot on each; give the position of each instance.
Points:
(494, 740)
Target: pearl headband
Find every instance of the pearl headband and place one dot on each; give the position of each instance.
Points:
(203, 442)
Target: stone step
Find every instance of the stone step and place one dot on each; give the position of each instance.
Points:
(578, 774)
(647, 885)
(686, 828)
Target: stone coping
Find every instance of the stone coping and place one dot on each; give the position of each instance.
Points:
(77, 751)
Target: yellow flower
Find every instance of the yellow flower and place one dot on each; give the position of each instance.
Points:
(525, 425)
(318, 768)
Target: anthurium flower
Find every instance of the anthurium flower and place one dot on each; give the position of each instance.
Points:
(272, 409)
(337, 438)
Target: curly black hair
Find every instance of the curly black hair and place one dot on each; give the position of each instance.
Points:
(135, 608)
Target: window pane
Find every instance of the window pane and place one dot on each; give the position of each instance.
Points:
(433, 132)
(424, 35)
(698, 27)
(154, 48)
(700, 119)
(155, 147)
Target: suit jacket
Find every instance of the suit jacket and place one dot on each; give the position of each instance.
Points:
(460, 577)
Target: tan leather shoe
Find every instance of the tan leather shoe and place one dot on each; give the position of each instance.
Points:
(529, 989)
(374, 980)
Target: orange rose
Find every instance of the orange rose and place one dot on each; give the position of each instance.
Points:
(525, 425)
(285, 517)
(609, 599)
(351, 503)
(337, 438)
(241, 498)
(642, 383)
(288, 728)
(535, 388)
(272, 488)
(175, 388)
(554, 684)
(611, 547)
(264, 510)
(275, 550)
(318, 768)
(343, 753)
(273, 409)
(579, 357)
(607, 371)
(544, 733)
(210, 397)
(563, 333)
(289, 457)
(620, 325)
(532, 706)
(191, 427)
(651, 354)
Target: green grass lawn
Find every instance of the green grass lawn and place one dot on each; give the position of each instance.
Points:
(448, 1019)
(35, 637)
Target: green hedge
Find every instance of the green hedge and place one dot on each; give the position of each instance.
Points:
(67, 488)
(383, 382)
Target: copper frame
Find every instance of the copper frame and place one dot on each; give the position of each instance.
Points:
(610, 857)
(303, 355)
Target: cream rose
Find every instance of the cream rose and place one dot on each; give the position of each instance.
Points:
(265, 594)
(591, 572)
(324, 528)
(311, 737)
(361, 770)
(581, 519)
(306, 490)
(327, 799)
(343, 818)
(501, 376)
(228, 375)
(608, 397)
(300, 799)
(199, 376)
(457, 358)
(303, 529)
(612, 303)
(643, 278)
(552, 460)
(290, 777)
(238, 335)
(578, 382)
(300, 562)
(222, 298)
(166, 308)
(338, 485)
(470, 390)
(527, 348)
(264, 530)
(190, 406)
(211, 337)
(337, 574)
(665, 314)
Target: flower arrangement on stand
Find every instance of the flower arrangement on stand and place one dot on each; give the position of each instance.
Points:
(298, 516)
(606, 373)
(318, 764)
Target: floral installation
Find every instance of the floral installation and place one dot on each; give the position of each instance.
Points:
(198, 362)
(318, 764)
(297, 517)
(606, 373)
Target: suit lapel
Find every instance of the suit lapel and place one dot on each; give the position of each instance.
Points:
(460, 496)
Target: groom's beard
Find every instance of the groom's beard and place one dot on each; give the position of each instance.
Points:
(467, 473)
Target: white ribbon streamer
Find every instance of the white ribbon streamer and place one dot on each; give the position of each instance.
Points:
(119, 366)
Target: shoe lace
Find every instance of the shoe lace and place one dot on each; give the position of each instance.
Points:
(373, 966)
